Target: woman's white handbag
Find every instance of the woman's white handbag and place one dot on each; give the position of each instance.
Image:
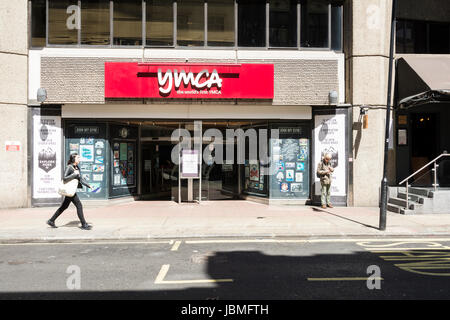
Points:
(68, 189)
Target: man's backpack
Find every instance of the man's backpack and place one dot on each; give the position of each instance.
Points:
(317, 171)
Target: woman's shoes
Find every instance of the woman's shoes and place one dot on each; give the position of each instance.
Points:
(86, 227)
(51, 224)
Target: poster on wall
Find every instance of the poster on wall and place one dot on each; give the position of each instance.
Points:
(46, 156)
(329, 134)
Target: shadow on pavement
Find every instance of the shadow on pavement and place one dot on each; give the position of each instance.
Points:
(336, 215)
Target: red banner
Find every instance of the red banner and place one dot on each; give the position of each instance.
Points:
(188, 80)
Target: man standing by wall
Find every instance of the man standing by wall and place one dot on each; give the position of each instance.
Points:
(324, 171)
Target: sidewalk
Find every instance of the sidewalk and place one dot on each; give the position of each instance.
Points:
(142, 220)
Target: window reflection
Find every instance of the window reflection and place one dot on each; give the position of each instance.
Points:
(336, 27)
(314, 23)
(221, 23)
(63, 19)
(38, 23)
(190, 23)
(69, 24)
(159, 27)
(283, 23)
(128, 22)
(95, 26)
(252, 23)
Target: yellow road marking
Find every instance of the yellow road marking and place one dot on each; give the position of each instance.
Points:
(176, 246)
(345, 279)
(165, 268)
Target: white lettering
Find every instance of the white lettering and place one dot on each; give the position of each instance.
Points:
(168, 79)
(73, 21)
(199, 77)
(162, 81)
(215, 79)
(193, 310)
(189, 78)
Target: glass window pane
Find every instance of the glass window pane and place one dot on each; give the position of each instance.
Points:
(420, 37)
(221, 23)
(283, 23)
(439, 38)
(252, 23)
(63, 22)
(314, 24)
(38, 23)
(190, 23)
(159, 25)
(128, 22)
(95, 22)
(336, 28)
(399, 36)
(408, 39)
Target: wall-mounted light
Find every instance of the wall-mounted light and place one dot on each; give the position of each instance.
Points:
(333, 97)
(363, 112)
(41, 95)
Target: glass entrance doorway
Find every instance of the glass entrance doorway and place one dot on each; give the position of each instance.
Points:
(424, 144)
(158, 172)
(234, 157)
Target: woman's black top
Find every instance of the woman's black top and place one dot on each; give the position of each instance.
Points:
(70, 174)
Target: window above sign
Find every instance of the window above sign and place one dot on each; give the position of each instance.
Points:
(290, 24)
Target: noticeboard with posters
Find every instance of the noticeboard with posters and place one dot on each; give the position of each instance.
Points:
(89, 141)
(289, 165)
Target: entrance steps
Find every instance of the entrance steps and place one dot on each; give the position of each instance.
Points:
(421, 200)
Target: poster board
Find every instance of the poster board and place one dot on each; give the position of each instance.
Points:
(190, 164)
(47, 156)
(330, 137)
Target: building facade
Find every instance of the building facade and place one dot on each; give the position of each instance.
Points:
(113, 81)
(13, 104)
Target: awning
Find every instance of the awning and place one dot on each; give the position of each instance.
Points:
(422, 80)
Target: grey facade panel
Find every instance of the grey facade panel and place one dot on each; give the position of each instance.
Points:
(296, 82)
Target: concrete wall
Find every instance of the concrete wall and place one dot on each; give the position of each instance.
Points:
(13, 102)
(367, 48)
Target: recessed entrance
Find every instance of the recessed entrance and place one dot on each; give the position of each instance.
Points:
(424, 144)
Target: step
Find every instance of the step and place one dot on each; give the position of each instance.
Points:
(412, 197)
(399, 209)
(402, 203)
(421, 192)
(394, 208)
(407, 212)
(397, 201)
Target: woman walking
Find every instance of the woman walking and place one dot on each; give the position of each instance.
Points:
(72, 172)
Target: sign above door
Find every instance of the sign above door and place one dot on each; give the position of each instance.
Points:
(189, 80)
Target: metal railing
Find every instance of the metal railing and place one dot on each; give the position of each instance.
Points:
(435, 184)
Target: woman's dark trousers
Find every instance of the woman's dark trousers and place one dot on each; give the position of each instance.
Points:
(67, 200)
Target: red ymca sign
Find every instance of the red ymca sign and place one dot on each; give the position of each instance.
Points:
(188, 80)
